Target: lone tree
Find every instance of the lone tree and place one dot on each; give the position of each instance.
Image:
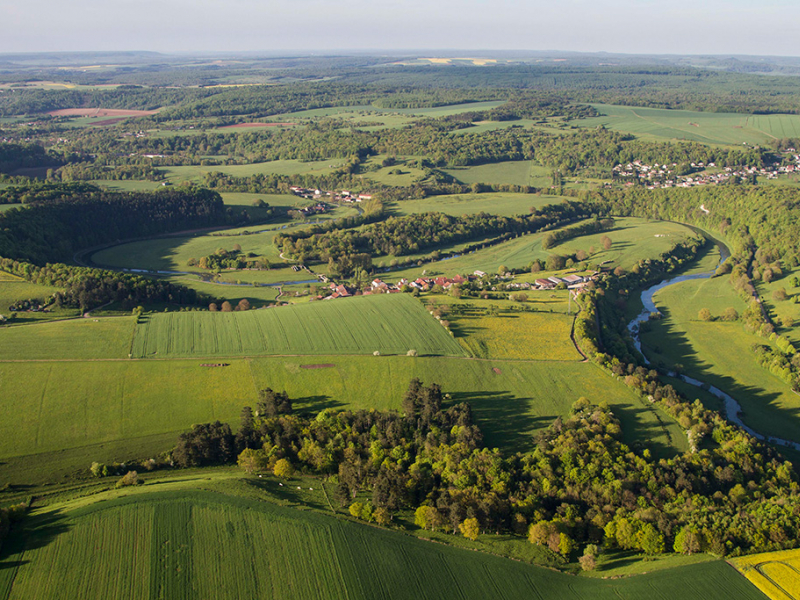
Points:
(704, 314)
(272, 404)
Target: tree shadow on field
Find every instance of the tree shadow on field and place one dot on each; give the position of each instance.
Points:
(315, 404)
(504, 419)
(665, 344)
(29, 534)
(308, 496)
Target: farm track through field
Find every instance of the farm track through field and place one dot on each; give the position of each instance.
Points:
(760, 569)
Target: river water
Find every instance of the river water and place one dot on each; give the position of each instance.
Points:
(733, 410)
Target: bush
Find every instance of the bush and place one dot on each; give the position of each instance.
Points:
(283, 469)
(130, 478)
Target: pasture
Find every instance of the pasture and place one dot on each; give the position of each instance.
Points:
(62, 415)
(632, 239)
(14, 289)
(107, 337)
(172, 252)
(719, 353)
(784, 313)
(389, 324)
(499, 329)
(706, 127)
(166, 543)
(777, 574)
(493, 203)
(516, 172)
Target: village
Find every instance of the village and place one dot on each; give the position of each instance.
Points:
(478, 281)
(665, 176)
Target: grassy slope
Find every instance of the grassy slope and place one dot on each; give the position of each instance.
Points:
(169, 541)
(632, 238)
(706, 127)
(389, 324)
(719, 353)
(493, 203)
(514, 172)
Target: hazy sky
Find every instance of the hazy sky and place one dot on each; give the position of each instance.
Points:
(633, 26)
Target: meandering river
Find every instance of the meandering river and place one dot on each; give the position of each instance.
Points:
(733, 409)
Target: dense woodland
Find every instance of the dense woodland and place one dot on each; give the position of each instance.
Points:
(53, 230)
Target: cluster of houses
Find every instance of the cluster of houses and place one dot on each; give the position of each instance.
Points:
(663, 176)
(343, 196)
(426, 284)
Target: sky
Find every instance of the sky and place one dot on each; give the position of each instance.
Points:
(769, 27)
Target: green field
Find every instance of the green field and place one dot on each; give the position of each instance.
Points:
(785, 314)
(706, 127)
(516, 172)
(108, 337)
(389, 324)
(493, 203)
(13, 289)
(195, 174)
(232, 541)
(369, 113)
(633, 239)
(171, 253)
(73, 412)
(719, 353)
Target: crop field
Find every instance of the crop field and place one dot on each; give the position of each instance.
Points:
(168, 544)
(632, 239)
(719, 353)
(777, 574)
(706, 127)
(390, 324)
(516, 172)
(108, 337)
(493, 203)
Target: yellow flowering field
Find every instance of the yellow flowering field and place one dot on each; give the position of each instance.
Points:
(777, 574)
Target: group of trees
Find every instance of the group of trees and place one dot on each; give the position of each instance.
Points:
(580, 484)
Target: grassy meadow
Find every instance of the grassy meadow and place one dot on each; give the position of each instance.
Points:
(74, 412)
(719, 353)
(75, 339)
(705, 127)
(493, 203)
(632, 239)
(234, 540)
(389, 324)
(515, 172)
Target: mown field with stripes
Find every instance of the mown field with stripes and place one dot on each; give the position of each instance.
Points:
(389, 324)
